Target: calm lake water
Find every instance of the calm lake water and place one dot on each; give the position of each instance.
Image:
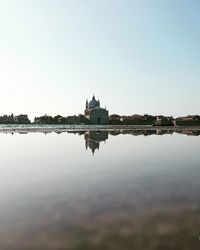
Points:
(100, 190)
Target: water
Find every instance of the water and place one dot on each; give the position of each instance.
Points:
(123, 192)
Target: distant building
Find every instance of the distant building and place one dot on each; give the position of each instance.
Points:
(7, 119)
(190, 120)
(22, 119)
(11, 119)
(164, 121)
(95, 114)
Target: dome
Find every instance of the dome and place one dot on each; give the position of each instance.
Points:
(93, 103)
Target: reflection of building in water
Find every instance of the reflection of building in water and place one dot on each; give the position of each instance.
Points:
(93, 139)
(94, 113)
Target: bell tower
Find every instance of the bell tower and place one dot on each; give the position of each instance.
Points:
(86, 105)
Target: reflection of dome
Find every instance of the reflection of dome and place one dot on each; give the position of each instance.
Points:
(93, 145)
(93, 139)
(93, 103)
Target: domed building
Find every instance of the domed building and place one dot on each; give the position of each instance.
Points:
(95, 114)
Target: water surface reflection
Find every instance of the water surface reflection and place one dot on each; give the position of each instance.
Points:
(137, 192)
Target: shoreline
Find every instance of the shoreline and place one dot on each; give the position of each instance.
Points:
(10, 128)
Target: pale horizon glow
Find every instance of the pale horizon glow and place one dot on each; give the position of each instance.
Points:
(137, 57)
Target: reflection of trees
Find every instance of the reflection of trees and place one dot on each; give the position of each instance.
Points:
(144, 132)
(93, 138)
(189, 132)
(147, 132)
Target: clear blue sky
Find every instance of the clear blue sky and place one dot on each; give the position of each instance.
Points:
(137, 56)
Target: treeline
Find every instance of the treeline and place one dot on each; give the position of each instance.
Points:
(190, 120)
(11, 119)
(69, 120)
(132, 120)
(115, 119)
(80, 119)
(159, 120)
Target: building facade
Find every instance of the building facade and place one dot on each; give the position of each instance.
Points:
(95, 114)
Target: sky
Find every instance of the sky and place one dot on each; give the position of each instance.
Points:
(136, 56)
